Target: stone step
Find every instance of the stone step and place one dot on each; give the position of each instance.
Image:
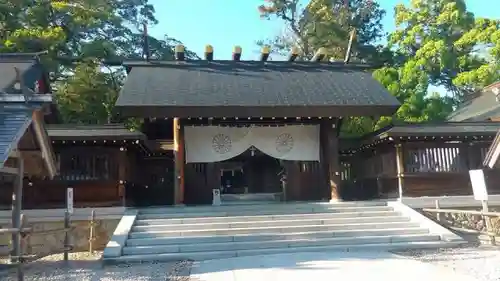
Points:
(169, 214)
(236, 246)
(250, 207)
(273, 236)
(140, 222)
(251, 198)
(247, 202)
(271, 229)
(239, 253)
(269, 223)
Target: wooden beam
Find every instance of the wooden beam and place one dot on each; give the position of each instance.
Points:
(178, 161)
(493, 153)
(330, 149)
(348, 54)
(30, 153)
(400, 168)
(17, 200)
(44, 143)
(15, 153)
(122, 175)
(8, 170)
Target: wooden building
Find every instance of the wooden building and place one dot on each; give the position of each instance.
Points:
(24, 145)
(417, 160)
(250, 127)
(25, 101)
(250, 123)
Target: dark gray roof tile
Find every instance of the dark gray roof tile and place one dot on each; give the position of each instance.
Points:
(13, 124)
(481, 108)
(443, 129)
(252, 84)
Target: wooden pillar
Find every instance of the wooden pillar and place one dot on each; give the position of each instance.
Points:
(472, 155)
(178, 162)
(331, 156)
(400, 168)
(17, 201)
(323, 161)
(122, 174)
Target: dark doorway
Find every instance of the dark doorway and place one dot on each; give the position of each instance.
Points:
(251, 172)
(154, 185)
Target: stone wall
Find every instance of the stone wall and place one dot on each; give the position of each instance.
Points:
(467, 221)
(42, 244)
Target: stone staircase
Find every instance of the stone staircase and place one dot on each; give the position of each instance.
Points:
(201, 233)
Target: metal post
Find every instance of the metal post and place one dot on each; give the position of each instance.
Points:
(17, 201)
(66, 235)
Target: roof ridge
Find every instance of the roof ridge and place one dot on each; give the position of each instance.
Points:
(195, 63)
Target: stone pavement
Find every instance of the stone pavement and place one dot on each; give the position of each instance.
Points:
(374, 266)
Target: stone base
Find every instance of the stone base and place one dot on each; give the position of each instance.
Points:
(43, 244)
(261, 197)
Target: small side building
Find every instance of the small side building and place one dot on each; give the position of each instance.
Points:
(419, 160)
(97, 161)
(25, 148)
(25, 100)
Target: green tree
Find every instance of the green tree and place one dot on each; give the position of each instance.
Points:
(88, 90)
(438, 43)
(92, 30)
(443, 44)
(325, 23)
(328, 24)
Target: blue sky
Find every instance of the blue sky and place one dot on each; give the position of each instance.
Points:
(226, 23)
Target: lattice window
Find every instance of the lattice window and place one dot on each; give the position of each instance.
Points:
(436, 159)
(85, 166)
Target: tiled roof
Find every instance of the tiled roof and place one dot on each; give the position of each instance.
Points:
(13, 124)
(16, 109)
(480, 108)
(445, 129)
(198, 85)
(426, 131)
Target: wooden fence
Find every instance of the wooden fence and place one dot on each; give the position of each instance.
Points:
(22, 254)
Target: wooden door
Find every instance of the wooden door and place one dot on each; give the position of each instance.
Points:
(200, 179)
(305, 180)
(156, 183)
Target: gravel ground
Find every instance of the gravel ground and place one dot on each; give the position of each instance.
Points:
(85, 267)
(482, 262)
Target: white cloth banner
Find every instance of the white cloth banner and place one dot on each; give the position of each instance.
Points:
(208, 144)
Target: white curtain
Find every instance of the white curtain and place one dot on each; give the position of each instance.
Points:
(294, 143)
(208, 144)
(213, 144)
